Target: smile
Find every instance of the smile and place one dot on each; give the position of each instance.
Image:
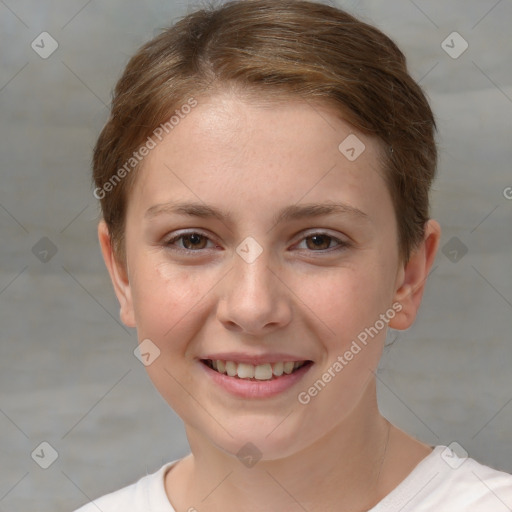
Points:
(261, 372)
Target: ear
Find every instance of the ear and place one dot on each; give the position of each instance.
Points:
(118, 275)
(412, 277)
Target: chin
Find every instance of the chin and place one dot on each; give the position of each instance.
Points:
(262, 442)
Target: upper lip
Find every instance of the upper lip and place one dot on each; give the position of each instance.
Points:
(254, 359)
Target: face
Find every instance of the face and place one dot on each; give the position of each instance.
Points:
(253, 273)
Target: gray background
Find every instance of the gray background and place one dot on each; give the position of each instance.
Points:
(67, 372)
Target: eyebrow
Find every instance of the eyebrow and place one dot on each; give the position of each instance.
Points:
(289, 213)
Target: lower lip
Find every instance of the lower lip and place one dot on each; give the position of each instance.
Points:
(244, 388)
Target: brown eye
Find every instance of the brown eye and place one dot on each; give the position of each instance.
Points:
(190, 241)
(319, 242)
(193, 241)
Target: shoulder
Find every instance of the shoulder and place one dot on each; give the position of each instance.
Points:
(446, 482)
(474, 485)
(477, 486)
(145, 495)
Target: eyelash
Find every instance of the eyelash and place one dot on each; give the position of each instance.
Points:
(341, 243)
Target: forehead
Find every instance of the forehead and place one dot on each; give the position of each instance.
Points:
(257, 155)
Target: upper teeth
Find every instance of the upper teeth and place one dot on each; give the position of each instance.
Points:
(259, 372)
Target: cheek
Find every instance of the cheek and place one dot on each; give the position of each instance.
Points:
(168, 311)
(346, 301)
(163, 298)
(349, 302)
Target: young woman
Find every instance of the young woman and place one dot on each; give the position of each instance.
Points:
(264, 181)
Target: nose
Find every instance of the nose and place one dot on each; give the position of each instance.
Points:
(254, 298)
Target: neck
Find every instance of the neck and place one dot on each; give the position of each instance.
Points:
(341, 471)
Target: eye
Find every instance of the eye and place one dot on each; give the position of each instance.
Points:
(320, 242)
(192, 241)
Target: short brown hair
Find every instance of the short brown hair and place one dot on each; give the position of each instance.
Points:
(290, 48)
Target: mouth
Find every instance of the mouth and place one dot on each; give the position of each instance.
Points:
(260, 372)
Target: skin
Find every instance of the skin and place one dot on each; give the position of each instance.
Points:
(252, 158)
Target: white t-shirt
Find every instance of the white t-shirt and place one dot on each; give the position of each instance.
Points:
(441, 482)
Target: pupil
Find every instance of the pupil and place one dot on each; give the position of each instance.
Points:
(193, 239)
(319, 240)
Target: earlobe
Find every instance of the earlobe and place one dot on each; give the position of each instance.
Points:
(118, 275)
(412, 278)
